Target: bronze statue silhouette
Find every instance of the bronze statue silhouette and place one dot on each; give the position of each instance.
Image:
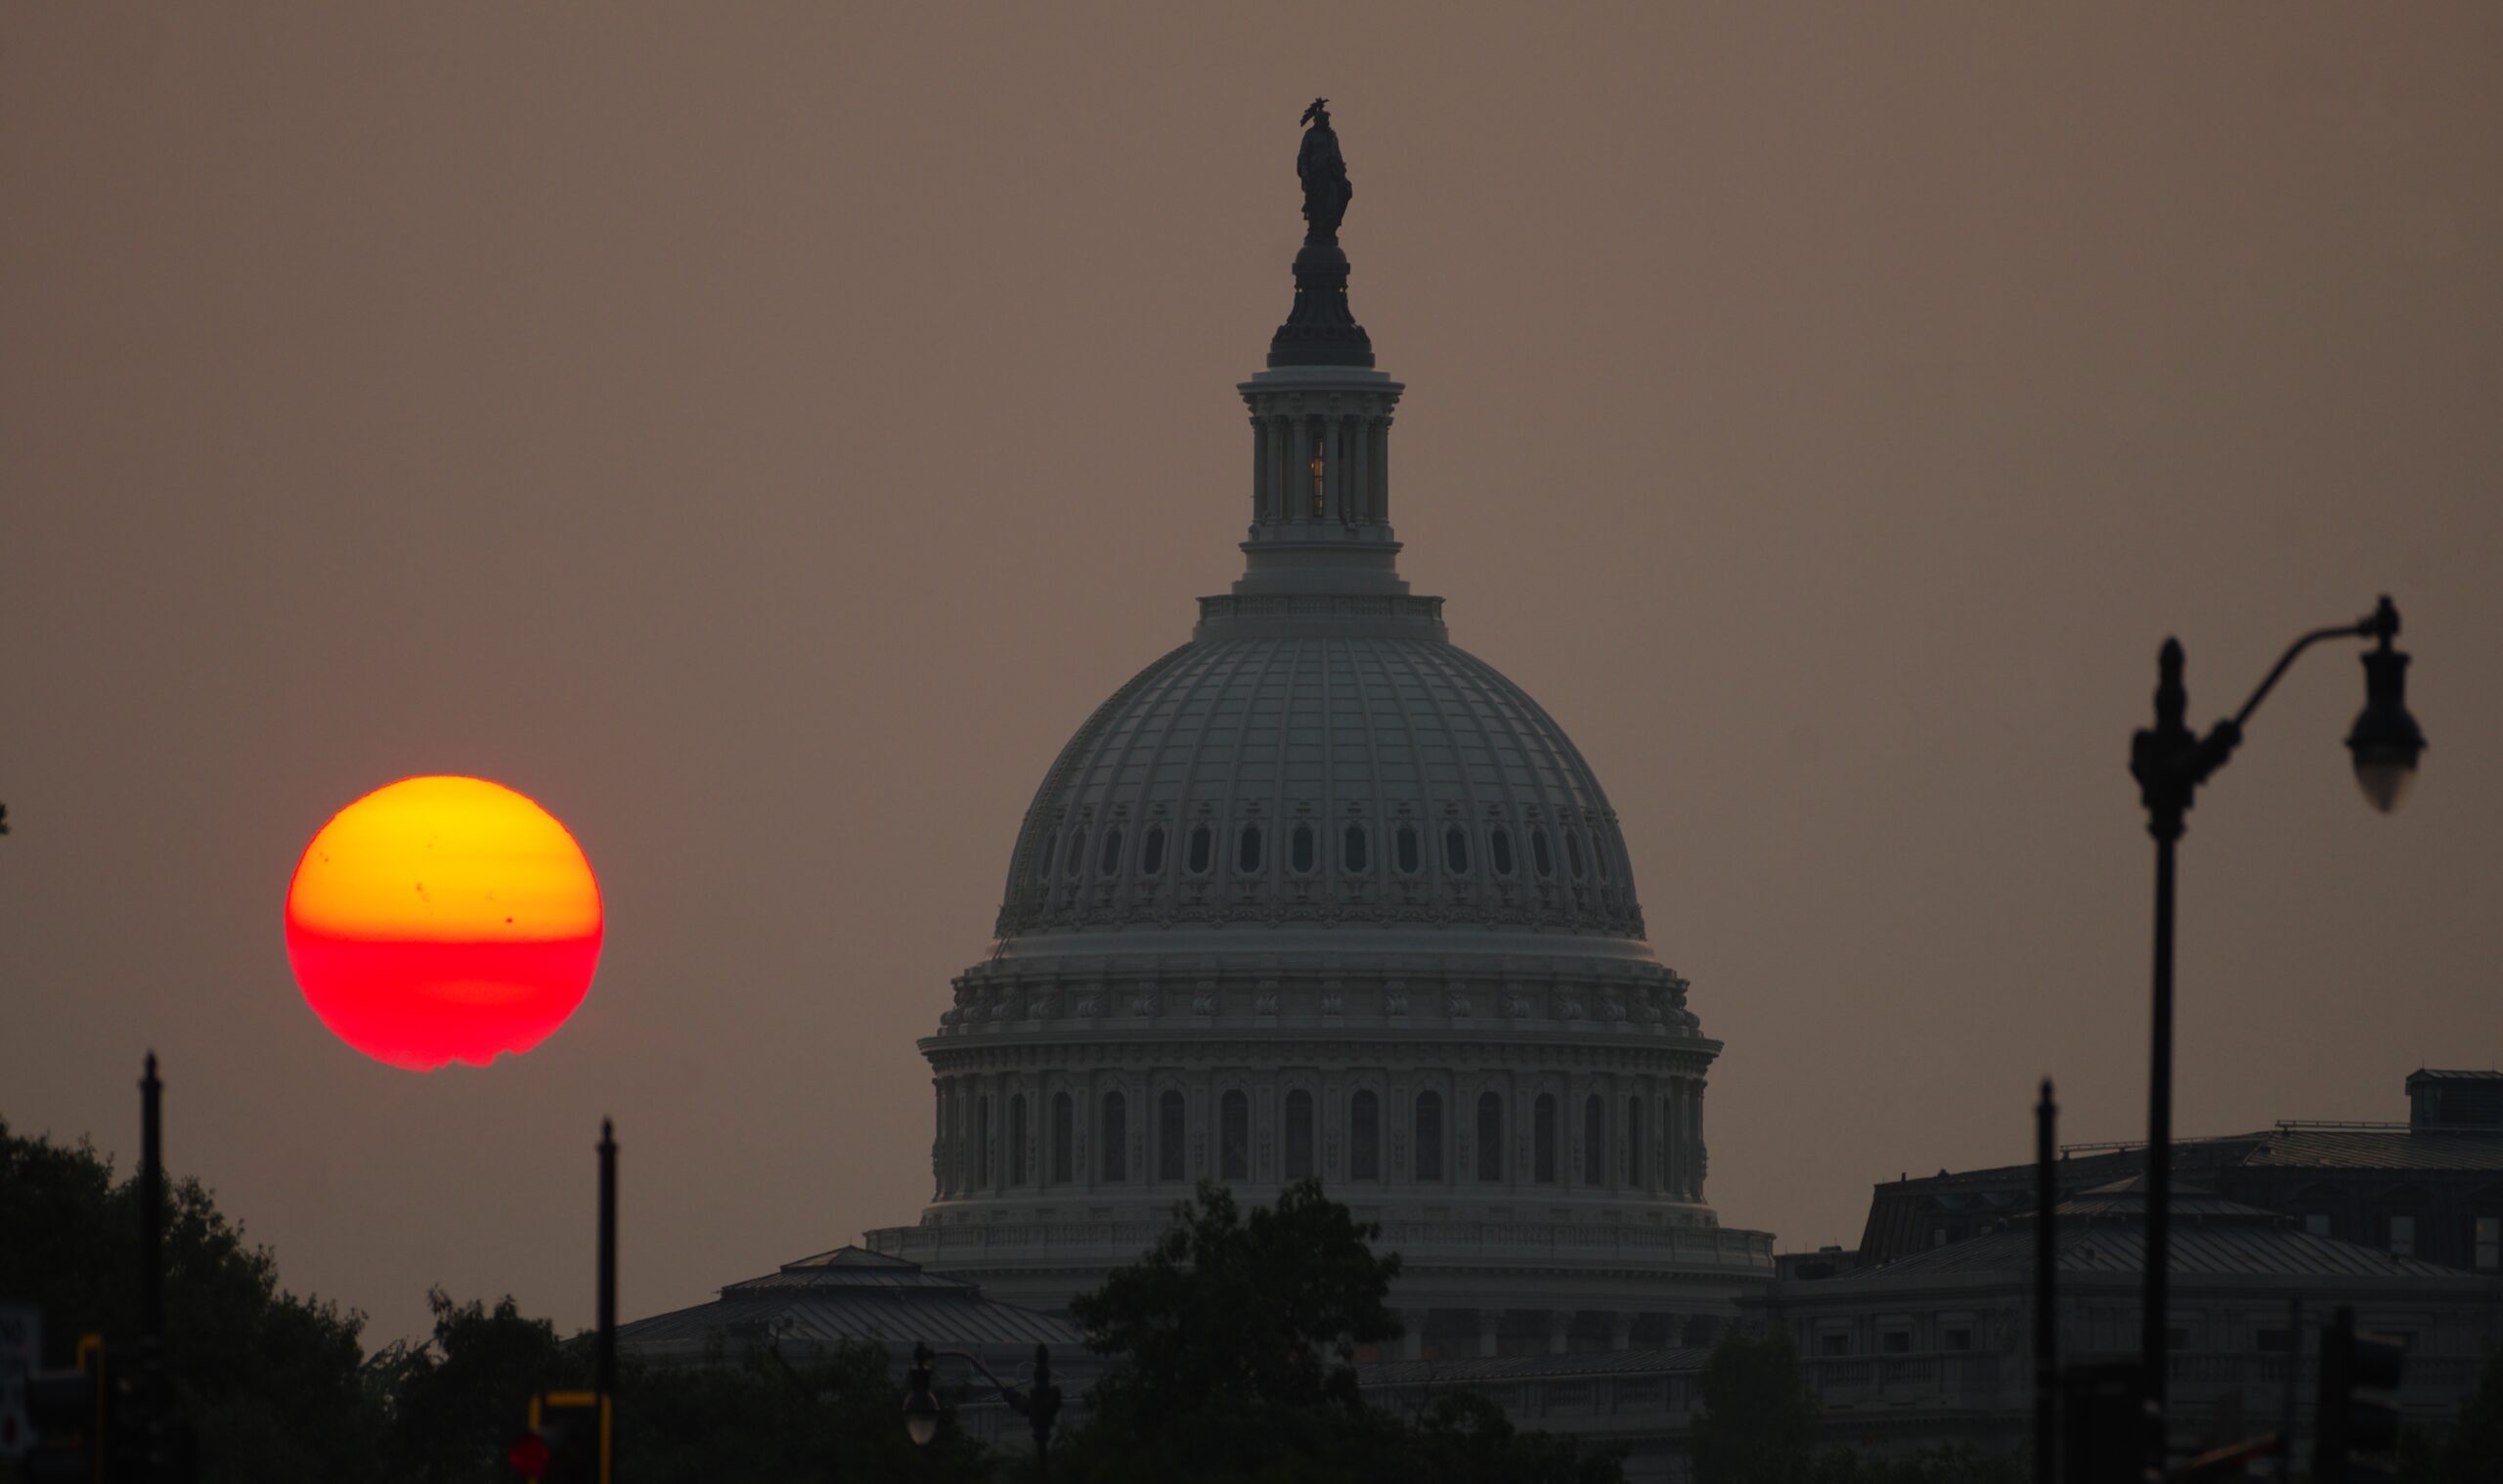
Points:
(1324, 173)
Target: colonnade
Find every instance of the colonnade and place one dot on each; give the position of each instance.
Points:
(1320, 468)
(1633, 1136)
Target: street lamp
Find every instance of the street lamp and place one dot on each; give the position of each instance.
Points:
(1039, 1407)
(2170, 762)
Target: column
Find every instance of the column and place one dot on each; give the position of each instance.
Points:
(1621, 1330)
(1259, 470)
(1273, 476)
(1696, 1137)
(1490, 1330)
(1412, 1337)
(1560, 1330)
(1675, 1133)
(1333, 471)
(1359, 472)
(1379, 467)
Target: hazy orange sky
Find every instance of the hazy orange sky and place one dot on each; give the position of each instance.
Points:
(761, 434)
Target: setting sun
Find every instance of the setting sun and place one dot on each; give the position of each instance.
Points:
(443, 919)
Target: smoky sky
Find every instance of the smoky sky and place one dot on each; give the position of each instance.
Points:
(762, 433)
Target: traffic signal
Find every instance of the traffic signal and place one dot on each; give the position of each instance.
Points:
(2357, 1431)
(72, 1413)
(568, 1441)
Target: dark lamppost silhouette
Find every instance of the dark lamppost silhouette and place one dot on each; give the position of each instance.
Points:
(2169, 761)
(1040, 1406)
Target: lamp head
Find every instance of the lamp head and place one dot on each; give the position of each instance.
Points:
(2385, 741)
(920, 1406)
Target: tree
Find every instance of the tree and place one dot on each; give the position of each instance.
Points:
(268, 1382)
(1758, 1422)
(458, 1402)
(2470, 1449)
(1243, 1309)
(834, 1415)
(1233, 1343)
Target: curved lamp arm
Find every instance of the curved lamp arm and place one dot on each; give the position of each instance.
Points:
(2380, 623)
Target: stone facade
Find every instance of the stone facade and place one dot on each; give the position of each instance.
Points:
(1321, 894)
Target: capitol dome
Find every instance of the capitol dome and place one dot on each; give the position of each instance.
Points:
(1320, 895)
(1360, 778)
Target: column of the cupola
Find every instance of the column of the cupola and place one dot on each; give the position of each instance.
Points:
(1377, 466)
(1334, 469)
(1259, 467)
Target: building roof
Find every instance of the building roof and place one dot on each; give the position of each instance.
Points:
(2104, 1231)
(850, 1293)
(2297, 1145)
(1484, 1369)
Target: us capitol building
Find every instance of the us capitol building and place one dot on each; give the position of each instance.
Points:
(1319, 893)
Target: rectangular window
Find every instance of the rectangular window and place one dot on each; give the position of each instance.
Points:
(2275, 1342)
(1234, 1137)
(1490, 1137)
(1833, 1344)
(2402, 1236)
(1896, 1342)
(1300, 1135)
(1116, 1157)
(1170, 1135)
(2489, 1243)
(2317, 1224)
(1430, 1136)
(1364, 1137)
(1956, 1339)
(1542, 1141)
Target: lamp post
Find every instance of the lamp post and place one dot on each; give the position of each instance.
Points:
(1039, 1407)
(2170, 762)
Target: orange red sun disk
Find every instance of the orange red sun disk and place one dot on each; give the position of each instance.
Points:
(443, 919)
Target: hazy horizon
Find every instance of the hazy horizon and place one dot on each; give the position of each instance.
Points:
(764, 436)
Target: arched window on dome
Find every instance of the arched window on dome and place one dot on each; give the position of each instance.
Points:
(1429, 1135)
(1300, 850)
(1234, 1136)
(981, 1143)
(1409, 859)
(1247, 856)
(1364, 1136)
(1151, 851)
(1600, 853)
(1456, 851)
(1352, 850)
(1499, 849)
(1573, 852)
(1541, 858)
(1634, 1144)
(1203, 850)
(1594, 1143)
(1016, 1139)
(1115, 1159)
(1490, 1137)
(1108, 859)
(1076, 858)
(1542, 1147)
(1043, 859)
(1299, 1138)
(1171, 1130)
(1064, 1138)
